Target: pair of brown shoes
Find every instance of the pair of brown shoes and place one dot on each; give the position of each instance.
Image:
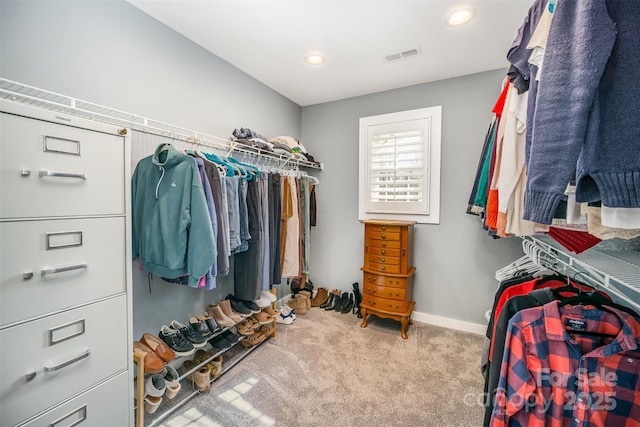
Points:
(154, 352)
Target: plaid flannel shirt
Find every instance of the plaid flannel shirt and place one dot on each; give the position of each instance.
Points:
(552, 377)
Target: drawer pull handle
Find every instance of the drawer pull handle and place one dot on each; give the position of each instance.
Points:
(381, 259)
(397, 306)
(384, 236)
(31, 375)
(397, 294)
(384, 227)
(390, 305)
(25, 172)
(62, 174)
(384, 244)
(383, 268)
(63, 269)
(373, 291)
(27, 276)
(383, 252)
(84, 355)
(390, 293)
(82, 414)
(397, 282)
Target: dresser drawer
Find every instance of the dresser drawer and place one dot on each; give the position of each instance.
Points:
(383, 268)
(380, 280)
(383, 244)
(92, 249)
(384, 235)
(384, 259)
(49, 169)
(384, 292)
(384, 251)
(379, 228)
(68, 352)
(104, 405)
(384, 304)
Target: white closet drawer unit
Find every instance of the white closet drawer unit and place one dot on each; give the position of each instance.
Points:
(55, 264)
(49, 169)
(49, 360)
(104, 405)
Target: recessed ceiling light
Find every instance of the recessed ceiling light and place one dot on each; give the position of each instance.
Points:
(314, 58)
(460, 15)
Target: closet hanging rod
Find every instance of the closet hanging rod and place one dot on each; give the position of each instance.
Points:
(44, 99)
(617, 273)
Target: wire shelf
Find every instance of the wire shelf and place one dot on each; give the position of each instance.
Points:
(615, 271)
(43, 99)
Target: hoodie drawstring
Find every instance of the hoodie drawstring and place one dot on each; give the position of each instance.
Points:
(159, 181)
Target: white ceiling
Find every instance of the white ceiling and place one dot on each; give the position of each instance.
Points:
(269, 39)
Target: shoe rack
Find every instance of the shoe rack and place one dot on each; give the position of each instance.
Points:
(167, 407)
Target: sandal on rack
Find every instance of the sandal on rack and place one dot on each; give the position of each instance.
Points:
(253, 340)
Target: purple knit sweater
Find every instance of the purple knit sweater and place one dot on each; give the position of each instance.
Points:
(587, 116)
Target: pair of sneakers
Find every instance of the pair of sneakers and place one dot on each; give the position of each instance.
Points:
(266, 299)
(182, 339)
(286, 315)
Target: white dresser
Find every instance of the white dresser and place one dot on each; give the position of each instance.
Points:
(65, 271)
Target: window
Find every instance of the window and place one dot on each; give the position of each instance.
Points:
(400, 166)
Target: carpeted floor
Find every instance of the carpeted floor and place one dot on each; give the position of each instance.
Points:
(324, 370)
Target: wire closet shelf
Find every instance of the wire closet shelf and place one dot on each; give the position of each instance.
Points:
(616, 272)
(44, 99)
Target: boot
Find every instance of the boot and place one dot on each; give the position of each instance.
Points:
(320, 297)
(328, 301)
(298, 303)
(357, 299)
(344, 300)
(307, 298)
(337, 302)
(348, 306)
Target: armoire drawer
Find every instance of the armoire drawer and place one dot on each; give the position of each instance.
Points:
(91, 250)
(103, 405)
(46, 361)
(384, 292)
(380, 280)
(49, 169)
(389, 244)
(384, 235)
(384, 259)
(384, 304)
(380, 251)
(383, 268)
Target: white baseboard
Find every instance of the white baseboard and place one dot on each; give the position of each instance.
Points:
(447, 322)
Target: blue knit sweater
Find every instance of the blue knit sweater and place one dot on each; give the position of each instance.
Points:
(587, 117)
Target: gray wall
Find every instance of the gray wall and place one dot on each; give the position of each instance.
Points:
(112, 54)
(455, 261)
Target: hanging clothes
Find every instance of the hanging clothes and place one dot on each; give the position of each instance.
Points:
(222, 218)
(290, 229)
(569, 365)
(275, 218)
(171, 227)
(247, 270)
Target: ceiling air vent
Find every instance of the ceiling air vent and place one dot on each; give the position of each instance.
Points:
(402, 55)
